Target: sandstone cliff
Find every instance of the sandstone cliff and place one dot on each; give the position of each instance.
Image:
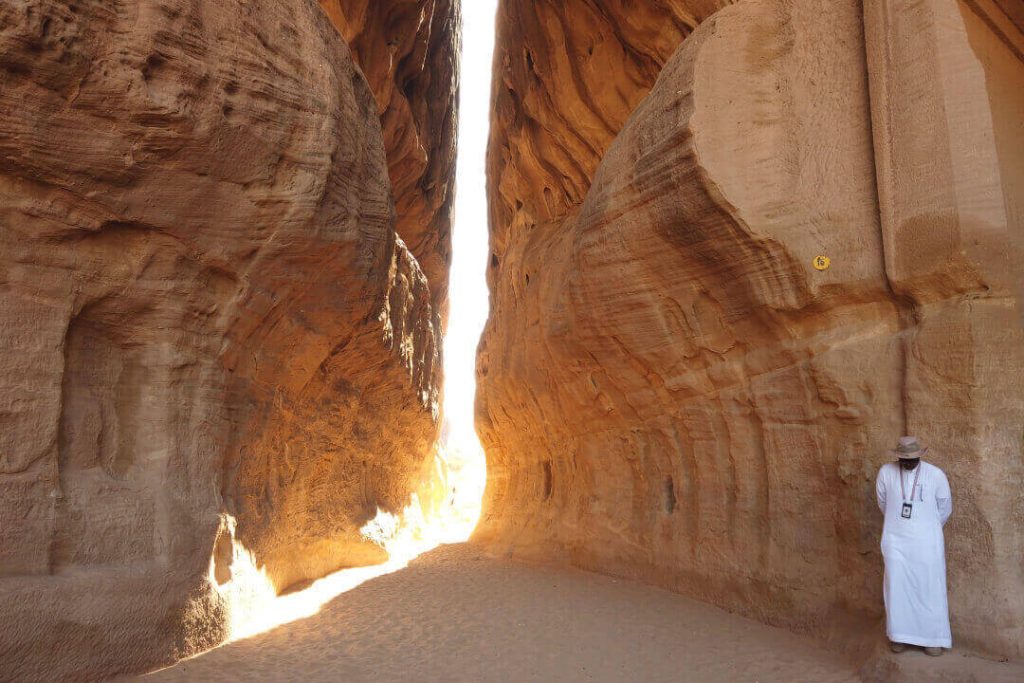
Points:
(408, 51)
(668, 388)
(567, 76)
(210, 332)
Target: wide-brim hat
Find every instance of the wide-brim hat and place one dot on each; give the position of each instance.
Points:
(909, 448)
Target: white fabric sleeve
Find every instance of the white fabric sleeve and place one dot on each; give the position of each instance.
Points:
(880, 490)
(943, 497)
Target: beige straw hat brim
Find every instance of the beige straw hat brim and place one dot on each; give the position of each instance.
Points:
(909, 456)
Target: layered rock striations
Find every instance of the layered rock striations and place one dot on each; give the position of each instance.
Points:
(567, 75)
(408, 51)
(212, 339)
(670, 390)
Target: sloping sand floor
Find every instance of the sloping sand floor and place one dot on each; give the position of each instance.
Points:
(456, 615)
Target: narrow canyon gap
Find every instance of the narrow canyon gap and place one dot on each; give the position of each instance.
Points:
(225, 242)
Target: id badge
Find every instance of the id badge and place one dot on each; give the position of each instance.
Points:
(905, 513)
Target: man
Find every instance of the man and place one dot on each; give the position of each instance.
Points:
(914, 496)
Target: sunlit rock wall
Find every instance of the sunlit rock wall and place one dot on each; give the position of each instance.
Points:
(567, 75)
(211, 336)
(670, 390)
(408, 51)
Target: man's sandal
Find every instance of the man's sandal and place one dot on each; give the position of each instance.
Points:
(897, 647)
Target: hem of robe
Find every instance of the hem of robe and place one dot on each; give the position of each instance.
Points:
(920, 642)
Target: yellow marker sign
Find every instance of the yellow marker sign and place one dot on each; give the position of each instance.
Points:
(822, 262)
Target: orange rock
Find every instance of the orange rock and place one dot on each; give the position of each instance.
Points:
(670, 390)
(205, 311)
(408, 51)
(567, 76)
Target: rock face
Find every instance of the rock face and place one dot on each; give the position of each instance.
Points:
(669, 389)
(567, 76)
(210, 333)
(408, 50)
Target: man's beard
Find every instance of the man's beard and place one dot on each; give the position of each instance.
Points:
(909, 463)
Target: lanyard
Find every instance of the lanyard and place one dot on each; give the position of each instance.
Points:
(913, 488)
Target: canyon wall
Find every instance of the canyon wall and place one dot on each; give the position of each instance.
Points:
(214, 342)
(669, 389)
(408, 51)
(567, 75)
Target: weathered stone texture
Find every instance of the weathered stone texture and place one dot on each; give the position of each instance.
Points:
(408, 51)
(205, 311)
(669, 390)
(947, 92)
(567, 76)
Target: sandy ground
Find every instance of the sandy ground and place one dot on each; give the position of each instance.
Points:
(457, 615)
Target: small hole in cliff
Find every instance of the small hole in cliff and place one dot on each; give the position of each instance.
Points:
(527, 278)
(547, 479)
(494, 260)
(669, 497)
(153, 62)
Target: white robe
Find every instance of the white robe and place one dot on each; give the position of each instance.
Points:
(914, 550)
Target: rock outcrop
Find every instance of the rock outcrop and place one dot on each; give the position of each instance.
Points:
(567, 76)
(669, 389)
(211, 336)
(408, 51)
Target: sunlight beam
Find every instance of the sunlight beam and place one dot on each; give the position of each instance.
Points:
(447, 506)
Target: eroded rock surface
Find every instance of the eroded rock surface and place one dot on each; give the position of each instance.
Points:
(408, 50)
(567, 76)
(670, 390)
(210, 332)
